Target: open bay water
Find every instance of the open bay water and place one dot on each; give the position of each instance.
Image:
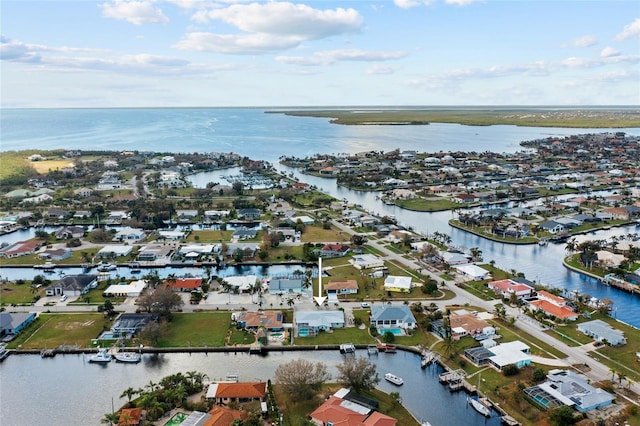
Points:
(67, 390)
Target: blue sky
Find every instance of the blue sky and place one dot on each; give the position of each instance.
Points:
(122, 53)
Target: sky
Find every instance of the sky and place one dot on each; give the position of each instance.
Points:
(196, 53)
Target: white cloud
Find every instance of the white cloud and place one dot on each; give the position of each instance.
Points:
(331, 56)
(608, 52)
(408, 4)
(287, 19)
(584, 41)
(629, 31)
(461, 2)
(236, 44)
(133, 11)
(379, 69)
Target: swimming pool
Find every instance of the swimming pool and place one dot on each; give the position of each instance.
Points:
(394, 331)
(176, 419)
(303, 332)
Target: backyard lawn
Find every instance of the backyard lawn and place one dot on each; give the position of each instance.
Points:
(315, 234)
(196, 329)
(52, 330)
(209, 236)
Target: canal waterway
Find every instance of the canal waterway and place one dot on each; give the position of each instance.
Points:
(70, 391)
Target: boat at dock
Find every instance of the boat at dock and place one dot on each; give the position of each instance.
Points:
(372, 349)
(384, 347)
(105, 267)
(102, 357)
(428, 358)
(47, 267)
(129, 357)
(479, 407)
(398, 381)
(134, 266)
(347, 348)
(47, 353)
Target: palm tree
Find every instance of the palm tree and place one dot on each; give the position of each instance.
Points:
(110, 418)
(129, 393)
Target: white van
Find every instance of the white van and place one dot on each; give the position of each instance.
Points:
(63, 298)
(365, 305)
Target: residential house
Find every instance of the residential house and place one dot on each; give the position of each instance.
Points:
(564, 387)
(334, 250)
(499, 356)
(73, 285)
(184, 284)
(617, 213)
(389, 316)
(270, 320)
(244, 233)
(55, 254)
(83, 192)
(454, 258)
(342, 412)
(551, 226)
(286, 285)
(464, 323)
(474, 272)
(507, 287)
(186, 215)
(109, 182)
(216, 214)
(337, 287)
(131, 416)
(154, 253)
(113, 251)
(397, 284)
(21, 248)
(171, 235)
(602, 332)
(553, 305)
(226, 392)
(82, 214)
(11, 323)
(223, 416)
(366, 261)
(241, 283)
(133, 289)
(248, 214)
(465, 198)
(67, 232)
(309, 323)
(57, 214)
(129, 234)
(130, 324)
(305, 220)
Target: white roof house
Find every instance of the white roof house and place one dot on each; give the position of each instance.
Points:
(366, 261)
(199, 248)
(242, 283)
(397, 283)
(134, 289)
(473, 271)
(113, 250)
(171, 235)
(601, 331)
(129, 234)
(516, 353)
(319, 320)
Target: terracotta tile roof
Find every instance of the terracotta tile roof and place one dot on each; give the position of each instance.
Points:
(555, 310)
(468, 321)
(268, 319)
(557, 300)
(130, 416)
(508, 286)
(185, 283)
(222, 416)
(332, 411)
(378, 419)
(242, 390)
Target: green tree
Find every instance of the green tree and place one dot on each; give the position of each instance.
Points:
(562, 416)
(358, 374)
(301, 379)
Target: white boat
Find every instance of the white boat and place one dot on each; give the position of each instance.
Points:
(479, 407)
(104, 267)
(102, 356)
(130, 357)
(3, 353)
(48, 266)
(394, 379)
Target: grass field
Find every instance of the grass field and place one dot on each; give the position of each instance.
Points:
(209, 236)
(427, 205)
(14, 294)
(196, 329)
(44, 167)
(527, 118)
(315, 234)
(52, 330)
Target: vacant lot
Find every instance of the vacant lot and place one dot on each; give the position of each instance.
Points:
(197, 329)
(44, 167)
(52, 330)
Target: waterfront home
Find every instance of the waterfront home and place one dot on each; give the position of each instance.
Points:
(221, 416)
(66, 232)
(607, 259)
(602, 332)
(286, 285)
(155, 253)
(389, 316)
(551, 226)
(248, 214)
(454, 258)
(184, 284)
(305, 220)
(73, 285)
(113, 251)
(552, 305)
(215, 214)
(132, 417)
(337, 287)
(474, 272)
(130, 324)
(55, 254)
(117, 216)
(507, 287)
(244, 233)
(129, 234)
(133, 289)
(564, 387)
(340, 411)
(11, 323)
(249, 250)
(57, 214)
(186, 215)
(619, 213)
(463, 323)
(309, 323)
(21, 248)
(465, 198)
(241, 283)
(366, 261)
(82, 214)
(499, 356)
(334, 250)
(270, 320)
(226, 392)
(171, 235)
(397, 284)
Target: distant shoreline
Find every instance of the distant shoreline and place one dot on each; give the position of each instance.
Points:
(611, 118)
